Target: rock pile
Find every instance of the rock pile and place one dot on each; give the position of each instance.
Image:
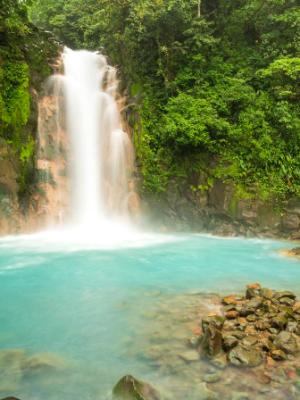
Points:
(262, 326)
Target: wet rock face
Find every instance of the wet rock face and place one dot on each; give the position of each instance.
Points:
(130, 388)
(221, 209)
(262, 324)
(290, 222)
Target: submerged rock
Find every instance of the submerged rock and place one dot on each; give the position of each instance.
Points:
(130, 388)
(204, 393)
(213, 377)
(43, 362)
(189, 356)
(220, 361)
(10, 398)
(11, 361)
(245, 356)
(241, 396)
(15, 365)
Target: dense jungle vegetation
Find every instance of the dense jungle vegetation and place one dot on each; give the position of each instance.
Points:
(212, 85)
(25, 53)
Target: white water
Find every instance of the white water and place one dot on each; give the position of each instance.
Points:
(100, 149)
(86, 160)
(83, 123)
(80, 123)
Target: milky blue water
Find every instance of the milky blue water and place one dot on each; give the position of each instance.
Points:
(82, 304)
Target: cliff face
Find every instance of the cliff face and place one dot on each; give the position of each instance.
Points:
(26, 55)
(222, 209)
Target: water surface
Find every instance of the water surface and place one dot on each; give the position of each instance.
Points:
(85, 305)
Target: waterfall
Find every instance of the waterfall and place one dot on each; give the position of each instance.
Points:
(91, 161)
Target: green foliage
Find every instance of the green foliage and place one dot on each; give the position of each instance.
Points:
(222, 79)
(189, 122)
(27, 151)
(24, 56)
(14, 99)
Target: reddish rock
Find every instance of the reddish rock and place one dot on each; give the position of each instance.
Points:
(255, 285)
(231, 299)
(231, 314)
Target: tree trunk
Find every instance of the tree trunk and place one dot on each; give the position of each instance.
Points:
(199, 8)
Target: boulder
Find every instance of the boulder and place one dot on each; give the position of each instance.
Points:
(278, 355)
(251, 306)
(211, 342)
(231, 299)
(245, 356)
(43, 362)
(130, 388)
(267, 293)
(280, 321)
(292, 326)
(296, 307)
(253, 290)
(287, 342)
(10, 398)
(286, 293)
(287, 301)
(220, 361)
(229, 341)
(262, 325)
(232, 314)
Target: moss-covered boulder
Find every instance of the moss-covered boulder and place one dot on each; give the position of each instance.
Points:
(130, 388)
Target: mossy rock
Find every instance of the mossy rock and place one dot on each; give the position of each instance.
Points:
(10, 398)
(130, 388)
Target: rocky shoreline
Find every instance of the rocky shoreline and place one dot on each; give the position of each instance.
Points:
(208, 347)
(241, 347)
(261, 327)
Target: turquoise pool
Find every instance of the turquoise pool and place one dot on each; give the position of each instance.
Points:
(83, 305)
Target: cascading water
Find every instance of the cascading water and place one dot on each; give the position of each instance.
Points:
(93, 152)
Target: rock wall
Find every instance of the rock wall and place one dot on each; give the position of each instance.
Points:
(221, 210)
(36, 52)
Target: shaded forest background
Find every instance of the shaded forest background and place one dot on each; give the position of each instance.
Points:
(212, 85)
